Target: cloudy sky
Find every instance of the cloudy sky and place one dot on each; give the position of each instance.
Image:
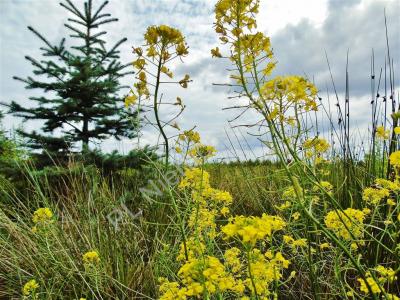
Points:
(300, 30)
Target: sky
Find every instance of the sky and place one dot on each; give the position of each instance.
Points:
(301, 32)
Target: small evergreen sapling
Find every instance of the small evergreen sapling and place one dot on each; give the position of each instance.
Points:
(81, 101)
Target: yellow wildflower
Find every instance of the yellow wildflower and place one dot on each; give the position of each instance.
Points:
(372, 283)
(382, 133)
(42, 216)
(386, 274)
(130, 100)
(390, 202)
(344, 222)
(30, 287)
(395, 159)
(324, 246)
(184, 81)
(374, 196)
(251, 229)
(283, 206)
(392, 296)
(91, 257)
(215, 52)
(296, 216)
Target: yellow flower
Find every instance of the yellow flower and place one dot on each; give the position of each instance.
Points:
(374, 196)
(91, 257)
(42, 216)
(178, 150)
(387, 184)
(202, 151)
(350, 294)
(392, 296)
(251, 229)
(395, 159)
(347, 222)
(397, 130)
(382, 133)
(283, 206)
(390, 202)
(296, 216)
(166, 71)
(386, 274)
(232, 259)
(130, 100)
(139, 63)
(327, 186)
(372, 283)
(294, 243)
(184, 81)
(224, 211)
(319, 145)
(30, 287)
(181, 49)
(215, 52)
(324, 246)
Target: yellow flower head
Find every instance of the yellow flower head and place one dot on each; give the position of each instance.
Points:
(42, 216)
(382, 133)
(374, 196)
(130, 100)
(251, 229)
(202, 151)
(215, 52)
(372, 283)
(164, 35)
(91, 257)
(324, 246)
(395, 159)
(347, 222)
(318, 145)
(30, 287)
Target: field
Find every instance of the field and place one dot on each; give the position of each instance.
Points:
(317, 219)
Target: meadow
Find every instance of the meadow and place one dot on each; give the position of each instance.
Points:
(318, 219)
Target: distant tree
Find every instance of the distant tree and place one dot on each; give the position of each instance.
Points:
(80, 102)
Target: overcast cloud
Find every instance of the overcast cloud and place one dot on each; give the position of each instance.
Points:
(301, 32)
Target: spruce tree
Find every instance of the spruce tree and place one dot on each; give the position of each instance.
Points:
(81, 101)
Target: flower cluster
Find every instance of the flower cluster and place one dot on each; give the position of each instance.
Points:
(163, 44)
(239, 272)
(42, 217)
(251, 51)
(382, 133)
(284, 93)
(315, 146)
(30, 287)
(383, 275)
(346, 223)
(395, 159)
(91, 258)
(252, 229)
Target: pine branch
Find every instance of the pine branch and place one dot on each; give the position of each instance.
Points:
(77, 31)
(40, 36)
(96, 14)
(72, 9)
(104, 22)
(77, 21)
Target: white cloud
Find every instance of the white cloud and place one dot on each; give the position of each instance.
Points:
(279, 18)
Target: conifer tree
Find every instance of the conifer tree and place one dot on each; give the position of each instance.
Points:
(81, 101)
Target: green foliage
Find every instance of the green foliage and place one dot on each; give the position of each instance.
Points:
(82, 100)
